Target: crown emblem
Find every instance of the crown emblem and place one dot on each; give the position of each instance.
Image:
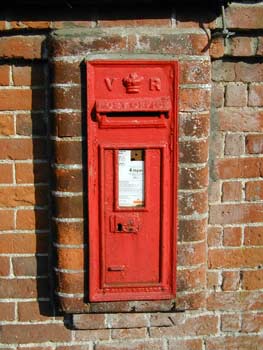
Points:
(132, 83)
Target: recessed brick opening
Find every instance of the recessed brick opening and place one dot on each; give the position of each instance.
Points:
(70, 50)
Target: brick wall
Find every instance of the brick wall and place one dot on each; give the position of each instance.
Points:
(220, 278)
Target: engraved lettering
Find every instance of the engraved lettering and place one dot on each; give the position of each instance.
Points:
(155, 84)
(109, 83)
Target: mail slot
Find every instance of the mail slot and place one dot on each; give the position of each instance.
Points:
(132, 179)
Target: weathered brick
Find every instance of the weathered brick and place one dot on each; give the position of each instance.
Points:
(70, 283)
(191, 301)
(236, 213)
(235, 301)
(232, 236)
(196, 100)
(93, 335)
(217, 48)
(223, 71)
(193, 151)
(194, 124)
(89, 321)
(235, 257)
(255, 96)
(28, 173)
(192, 230)
(191, 279)
(191, 254)
(127, 320)
(242, 46)
(245, 17)
(218, 95)
(193, 178)
(253, 235)
(214, 191)
(186, 344)
(7, 311)
(65, 72)
(68, 207)
(254, 190)
(231, 280)
(66, 97)
(29, 24)
(239, 119)
(4, 267)
(131, 345)
(69, 232)
(213, 280)
(129, 333)
(193, 203)
(248, 72)
(239, 168)
(253, 342)
(194, 72)
(252, 323)
(236, 95)
(18, 46)
(4, 75)
(214, 236)
(230, 323)
(67, 152)
(234, 144)
(252, 279)
(24, 288)
(231, 191)
(31, 124)
(254, 144)
(66, 125)
(68, 180)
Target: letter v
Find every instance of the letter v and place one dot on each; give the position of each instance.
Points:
(109, 83)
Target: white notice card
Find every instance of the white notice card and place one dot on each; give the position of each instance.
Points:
(131, 180)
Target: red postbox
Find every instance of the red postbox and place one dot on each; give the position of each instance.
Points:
(132, 179)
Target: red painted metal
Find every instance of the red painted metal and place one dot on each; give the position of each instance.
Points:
(132, 105)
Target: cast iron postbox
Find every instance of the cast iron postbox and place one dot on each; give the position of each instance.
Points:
(132, 179)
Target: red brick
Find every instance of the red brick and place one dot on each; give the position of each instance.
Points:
(139, 22)
(31, 124)
(254, 144)
(28, 173)
(182, 326)
(67, 152)
(7, 126)
(23, 288)
(194, 100)
(234, 144)
(194, 72)
(252, 279)
(28, 75)
(236, 95)
(66, 97)
(232, 191)
(69, 232)
(242, 46)
(244, 17)
(65, 72)
(4, 266)
(191, 254)
(7, 220)
(232, 236)
(20, 149)
(68, 180)
(218, 95)
(239, 168)
(36, 219)
(131, 345)
(29, 24)
(253, 235)
(34, 311)
(214, 192)
(216, 148)
(66, 125)
(217, 48)
(70, 258)
(127, 320)
(191, 301)
(194, 124)
(231, 280)
(230, 323)
(27, 47)
(14, 196)
(255, 97)
(4, 75)
(248, 72)
(193, 151)
(133, 333)
(214, 236)
(193, 203)
(235, 301)
(7, 311)
(23, 243)
(191, 279)
(251, 342)
(235, 258)
(89, 321)
(243, 119)
(6, 173)
(212, 280)
(260, 46)
(68, 207)
(254, 190)
(23, 334)
(17, 99)
(30, 266)
(252, 323)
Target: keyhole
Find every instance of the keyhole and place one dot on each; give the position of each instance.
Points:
(119, 227)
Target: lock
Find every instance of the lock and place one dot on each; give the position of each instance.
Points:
(132, 179)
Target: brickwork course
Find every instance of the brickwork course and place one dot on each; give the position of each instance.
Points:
(43, 194)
